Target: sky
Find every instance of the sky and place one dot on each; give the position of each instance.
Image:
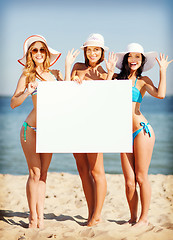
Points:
(66, 24)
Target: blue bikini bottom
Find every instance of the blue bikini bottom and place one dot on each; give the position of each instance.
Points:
(145, 127)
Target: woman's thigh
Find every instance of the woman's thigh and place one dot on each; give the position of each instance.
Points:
(29, 148)
(143, 149)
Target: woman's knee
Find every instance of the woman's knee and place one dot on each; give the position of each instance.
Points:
(43, 176)
(141, 178)
(130, 185)
(98, 175)
(34, 174)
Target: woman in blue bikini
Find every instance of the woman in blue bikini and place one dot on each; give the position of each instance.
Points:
(37, 59)
(135, 165)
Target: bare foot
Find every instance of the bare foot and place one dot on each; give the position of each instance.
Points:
(130, 222)
(89, 219)
(93, 222)
(40, 223)
(141, 223)
(32, 222)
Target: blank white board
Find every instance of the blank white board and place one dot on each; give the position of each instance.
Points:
(95, 116)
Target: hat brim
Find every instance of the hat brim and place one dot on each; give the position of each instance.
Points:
(149, 63)
(53, 58)
(94, 45)
(54, 55)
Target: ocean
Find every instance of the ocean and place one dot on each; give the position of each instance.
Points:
(159, 114)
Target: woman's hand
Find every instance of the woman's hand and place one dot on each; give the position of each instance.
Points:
(20, 94)
(111, 63)
(77, 79)
(71, 56)
(163, 62)
(32, 86)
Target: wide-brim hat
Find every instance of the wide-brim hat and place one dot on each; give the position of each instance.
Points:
(54, 55)
(95, 39)
(135, 47)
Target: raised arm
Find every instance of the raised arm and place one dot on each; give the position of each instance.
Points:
(20, 94)
(110, 65)
(159, 92)
(70, 58)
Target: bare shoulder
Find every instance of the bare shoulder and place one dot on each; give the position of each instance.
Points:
(22, 76)
(57, 74)
(145, 79)
(79, 66)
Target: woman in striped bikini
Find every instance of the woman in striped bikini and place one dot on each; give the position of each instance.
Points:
(37, 59)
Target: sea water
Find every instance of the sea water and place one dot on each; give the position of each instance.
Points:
(159, 114)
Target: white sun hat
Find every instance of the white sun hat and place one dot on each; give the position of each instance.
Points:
(136, 47)
(54, 55)
(95, 39)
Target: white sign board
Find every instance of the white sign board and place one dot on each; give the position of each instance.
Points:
(95, 116)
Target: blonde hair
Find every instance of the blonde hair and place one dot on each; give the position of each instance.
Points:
(30, 67)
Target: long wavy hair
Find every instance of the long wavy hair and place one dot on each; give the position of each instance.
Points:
(125, 70)
(30, 67)
(99, 61)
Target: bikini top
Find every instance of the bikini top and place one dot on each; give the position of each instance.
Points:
(136, 94)
(38, 80)
(35, 91)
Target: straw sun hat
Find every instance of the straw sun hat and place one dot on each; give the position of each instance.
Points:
(95, 39)
(54, 55)
(135, 47)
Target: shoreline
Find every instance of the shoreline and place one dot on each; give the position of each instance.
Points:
(66, 211)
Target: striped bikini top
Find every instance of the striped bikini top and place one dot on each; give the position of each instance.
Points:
(38, 80)
(136, 94)
(35, 91)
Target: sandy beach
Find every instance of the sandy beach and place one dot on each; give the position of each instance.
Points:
(66, 211)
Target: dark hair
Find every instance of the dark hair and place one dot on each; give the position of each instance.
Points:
(99, 61)
(125, 70)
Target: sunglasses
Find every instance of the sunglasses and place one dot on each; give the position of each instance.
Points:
(36, 50)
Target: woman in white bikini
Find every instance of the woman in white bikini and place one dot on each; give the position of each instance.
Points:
(90, 165)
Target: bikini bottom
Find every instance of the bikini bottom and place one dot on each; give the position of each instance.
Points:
(25, 124)
(145, 127)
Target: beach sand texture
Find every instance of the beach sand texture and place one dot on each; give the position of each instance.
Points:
(66, 210)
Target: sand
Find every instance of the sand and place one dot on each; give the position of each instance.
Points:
(66, 210)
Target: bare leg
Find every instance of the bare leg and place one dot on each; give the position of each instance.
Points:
(127, 162)
(31, 191)
(34, 166)
(33, 161)
(143, 148)
(45, 162)
(87, 180)
(97, 170)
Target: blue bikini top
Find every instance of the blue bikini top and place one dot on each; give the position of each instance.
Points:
(136, 94)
